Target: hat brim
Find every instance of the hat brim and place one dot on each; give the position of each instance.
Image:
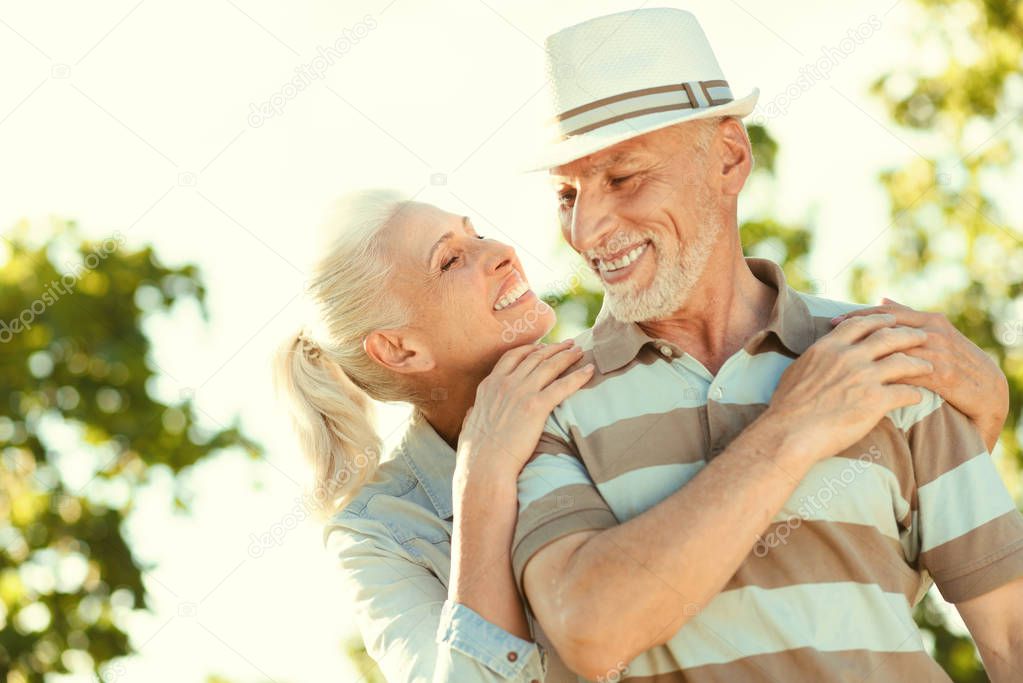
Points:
(575, 148)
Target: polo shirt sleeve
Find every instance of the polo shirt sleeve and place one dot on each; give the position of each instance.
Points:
(557, 498)
(969, 532)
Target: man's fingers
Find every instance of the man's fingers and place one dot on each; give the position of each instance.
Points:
(888, 340)
(900, 367)
(901, 395)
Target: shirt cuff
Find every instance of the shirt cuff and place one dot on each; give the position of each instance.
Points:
(465, 631)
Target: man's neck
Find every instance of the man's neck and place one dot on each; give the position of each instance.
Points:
(727, 306)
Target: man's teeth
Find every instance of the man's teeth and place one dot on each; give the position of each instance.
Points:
(511, 296)
(619, 263)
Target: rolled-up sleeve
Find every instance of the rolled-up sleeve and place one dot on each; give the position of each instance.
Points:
(410, 630)
(463, 630)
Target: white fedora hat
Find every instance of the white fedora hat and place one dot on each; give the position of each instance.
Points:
(619, 76)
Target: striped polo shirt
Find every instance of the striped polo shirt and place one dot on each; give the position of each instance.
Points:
(827, 591)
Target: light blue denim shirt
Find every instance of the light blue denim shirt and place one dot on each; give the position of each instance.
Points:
(392, 544)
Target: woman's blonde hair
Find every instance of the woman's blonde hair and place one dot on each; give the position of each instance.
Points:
(326, 377)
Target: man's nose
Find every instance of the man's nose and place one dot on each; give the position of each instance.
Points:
(592, 222)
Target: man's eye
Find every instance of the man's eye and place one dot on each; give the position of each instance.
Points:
(481, 237)
(450, 262)
(615, 182)
(566, 198)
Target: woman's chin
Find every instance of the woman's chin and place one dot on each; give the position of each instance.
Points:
(531, 324)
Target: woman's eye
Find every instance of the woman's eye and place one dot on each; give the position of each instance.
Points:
(450, 262)
(481, 237)
(566, 198)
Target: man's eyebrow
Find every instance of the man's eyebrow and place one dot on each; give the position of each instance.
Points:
(446, 236)
(616, 158)
(595, 169)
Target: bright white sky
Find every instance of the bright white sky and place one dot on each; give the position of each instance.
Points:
(135, 116)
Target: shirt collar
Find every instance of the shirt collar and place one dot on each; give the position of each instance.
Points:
(431, 460)
(616, 343)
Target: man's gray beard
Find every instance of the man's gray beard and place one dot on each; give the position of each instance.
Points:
(676, 272)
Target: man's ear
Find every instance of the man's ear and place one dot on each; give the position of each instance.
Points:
(736, 156)
(398, 350)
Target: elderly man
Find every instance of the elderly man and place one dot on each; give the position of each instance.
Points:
(676, 523)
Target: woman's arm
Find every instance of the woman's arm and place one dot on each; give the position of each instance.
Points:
(498, 436)
(486, 509)
(963, 374)
(400, 608)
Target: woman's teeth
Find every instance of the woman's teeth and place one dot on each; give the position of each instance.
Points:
(619, 263)
(512, 295)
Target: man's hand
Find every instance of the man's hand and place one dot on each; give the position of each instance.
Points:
(845, 383)
(963, 374)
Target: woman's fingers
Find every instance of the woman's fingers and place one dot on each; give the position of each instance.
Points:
(852, 330)
(551, 368)
(560, 389)
(534, 359)
(512, 357)
(904, 315)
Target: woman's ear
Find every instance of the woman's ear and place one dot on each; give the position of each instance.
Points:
(398, 351)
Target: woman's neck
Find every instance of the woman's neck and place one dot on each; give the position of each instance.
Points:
(445, 405)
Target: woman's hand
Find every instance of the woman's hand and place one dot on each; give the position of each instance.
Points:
(513, 402)
(963, 374)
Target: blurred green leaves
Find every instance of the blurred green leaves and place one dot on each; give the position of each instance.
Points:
(76, 373)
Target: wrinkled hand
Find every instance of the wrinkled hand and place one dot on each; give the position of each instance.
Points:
(502, 428)
(963, 374)
(845, 383)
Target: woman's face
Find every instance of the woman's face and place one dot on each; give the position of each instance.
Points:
(468, 294)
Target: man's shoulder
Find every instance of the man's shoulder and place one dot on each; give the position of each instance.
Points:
(822, 307)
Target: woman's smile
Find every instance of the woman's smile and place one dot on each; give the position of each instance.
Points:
(514, 292)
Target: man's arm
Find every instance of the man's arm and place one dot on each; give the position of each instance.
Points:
(604, 597)
(995, 620)
(970, 534)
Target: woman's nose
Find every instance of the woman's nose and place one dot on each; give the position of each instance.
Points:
(499, 257)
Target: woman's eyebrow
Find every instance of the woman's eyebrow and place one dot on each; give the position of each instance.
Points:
(446, 236)
(466, 225)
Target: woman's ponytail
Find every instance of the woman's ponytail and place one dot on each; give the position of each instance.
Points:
(333, 420)
(328, 381)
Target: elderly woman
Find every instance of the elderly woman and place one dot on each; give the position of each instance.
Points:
(416, 307)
